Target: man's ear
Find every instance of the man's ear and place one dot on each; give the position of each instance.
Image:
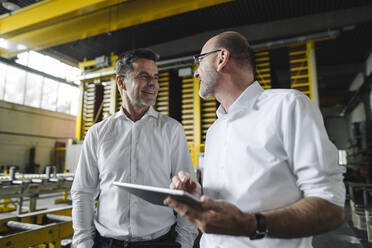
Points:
(120, 81)
(222, 59)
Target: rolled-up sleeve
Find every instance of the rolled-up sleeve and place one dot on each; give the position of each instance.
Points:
(312, 156)
(83, 192)
(181, 161)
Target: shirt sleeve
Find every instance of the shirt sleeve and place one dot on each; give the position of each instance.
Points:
(181, 160)
(312, 156)
(83, 192)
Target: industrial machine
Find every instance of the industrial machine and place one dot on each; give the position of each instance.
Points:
(17, 188)
(51, 228)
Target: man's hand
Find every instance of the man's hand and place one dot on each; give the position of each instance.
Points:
(185, 182)
(217, 217)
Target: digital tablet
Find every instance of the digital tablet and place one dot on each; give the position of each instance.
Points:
(157, 195)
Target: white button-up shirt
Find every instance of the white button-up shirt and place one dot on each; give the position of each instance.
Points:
(270, 150)
(149, 151)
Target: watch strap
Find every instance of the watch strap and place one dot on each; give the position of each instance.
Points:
(261, 228)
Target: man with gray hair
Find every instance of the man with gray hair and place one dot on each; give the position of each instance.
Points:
(135, 145)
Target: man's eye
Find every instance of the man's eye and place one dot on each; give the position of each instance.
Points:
(145, 77)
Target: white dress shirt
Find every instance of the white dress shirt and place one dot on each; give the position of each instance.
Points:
(149, 151)
(270, 150)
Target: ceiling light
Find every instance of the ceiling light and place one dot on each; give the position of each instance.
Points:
(10, 6)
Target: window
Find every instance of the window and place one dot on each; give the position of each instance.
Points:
(53, 67)
(75, 103)
(68, 99)
(49, 95)
(15, 85)
(72, 73)
(34, 84)
(36, 60)
(48, 65)
(64, 99)
(23, 87)
(3, 69)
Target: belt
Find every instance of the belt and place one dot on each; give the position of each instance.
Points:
(165, 241)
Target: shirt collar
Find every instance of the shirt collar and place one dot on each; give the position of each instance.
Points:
(246, 100)
(151, 112)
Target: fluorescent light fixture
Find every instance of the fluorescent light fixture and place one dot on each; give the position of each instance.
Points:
(10, 6)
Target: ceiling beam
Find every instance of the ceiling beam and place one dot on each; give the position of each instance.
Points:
(105, 16)
(48, 13)
(272, 30)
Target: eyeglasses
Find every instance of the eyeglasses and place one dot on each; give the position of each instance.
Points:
(199, 57)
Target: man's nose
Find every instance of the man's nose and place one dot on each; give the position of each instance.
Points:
(153, 82)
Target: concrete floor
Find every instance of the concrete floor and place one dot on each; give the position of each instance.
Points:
(344, 237)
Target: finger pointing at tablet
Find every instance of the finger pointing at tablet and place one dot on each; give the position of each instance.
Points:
(185, 182)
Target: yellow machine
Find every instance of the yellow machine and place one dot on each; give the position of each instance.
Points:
(40, 229)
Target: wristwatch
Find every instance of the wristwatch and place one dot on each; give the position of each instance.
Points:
(261, 229)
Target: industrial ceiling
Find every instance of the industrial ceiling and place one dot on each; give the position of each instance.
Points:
(183, 26)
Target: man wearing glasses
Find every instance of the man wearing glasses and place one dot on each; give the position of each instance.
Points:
(271, 177)
(136, 145)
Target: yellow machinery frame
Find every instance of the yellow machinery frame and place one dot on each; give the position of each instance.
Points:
(5, 204)
(196, 146)
(51, 234)
(63, 21)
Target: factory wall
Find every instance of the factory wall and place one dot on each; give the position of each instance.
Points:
(23, 127)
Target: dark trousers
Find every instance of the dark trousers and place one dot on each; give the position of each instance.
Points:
(165, 241)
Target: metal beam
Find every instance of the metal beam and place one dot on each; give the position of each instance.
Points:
(272, 30)
(48, 13)
(62, 27)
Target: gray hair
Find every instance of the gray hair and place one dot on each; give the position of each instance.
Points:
(124, 64)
